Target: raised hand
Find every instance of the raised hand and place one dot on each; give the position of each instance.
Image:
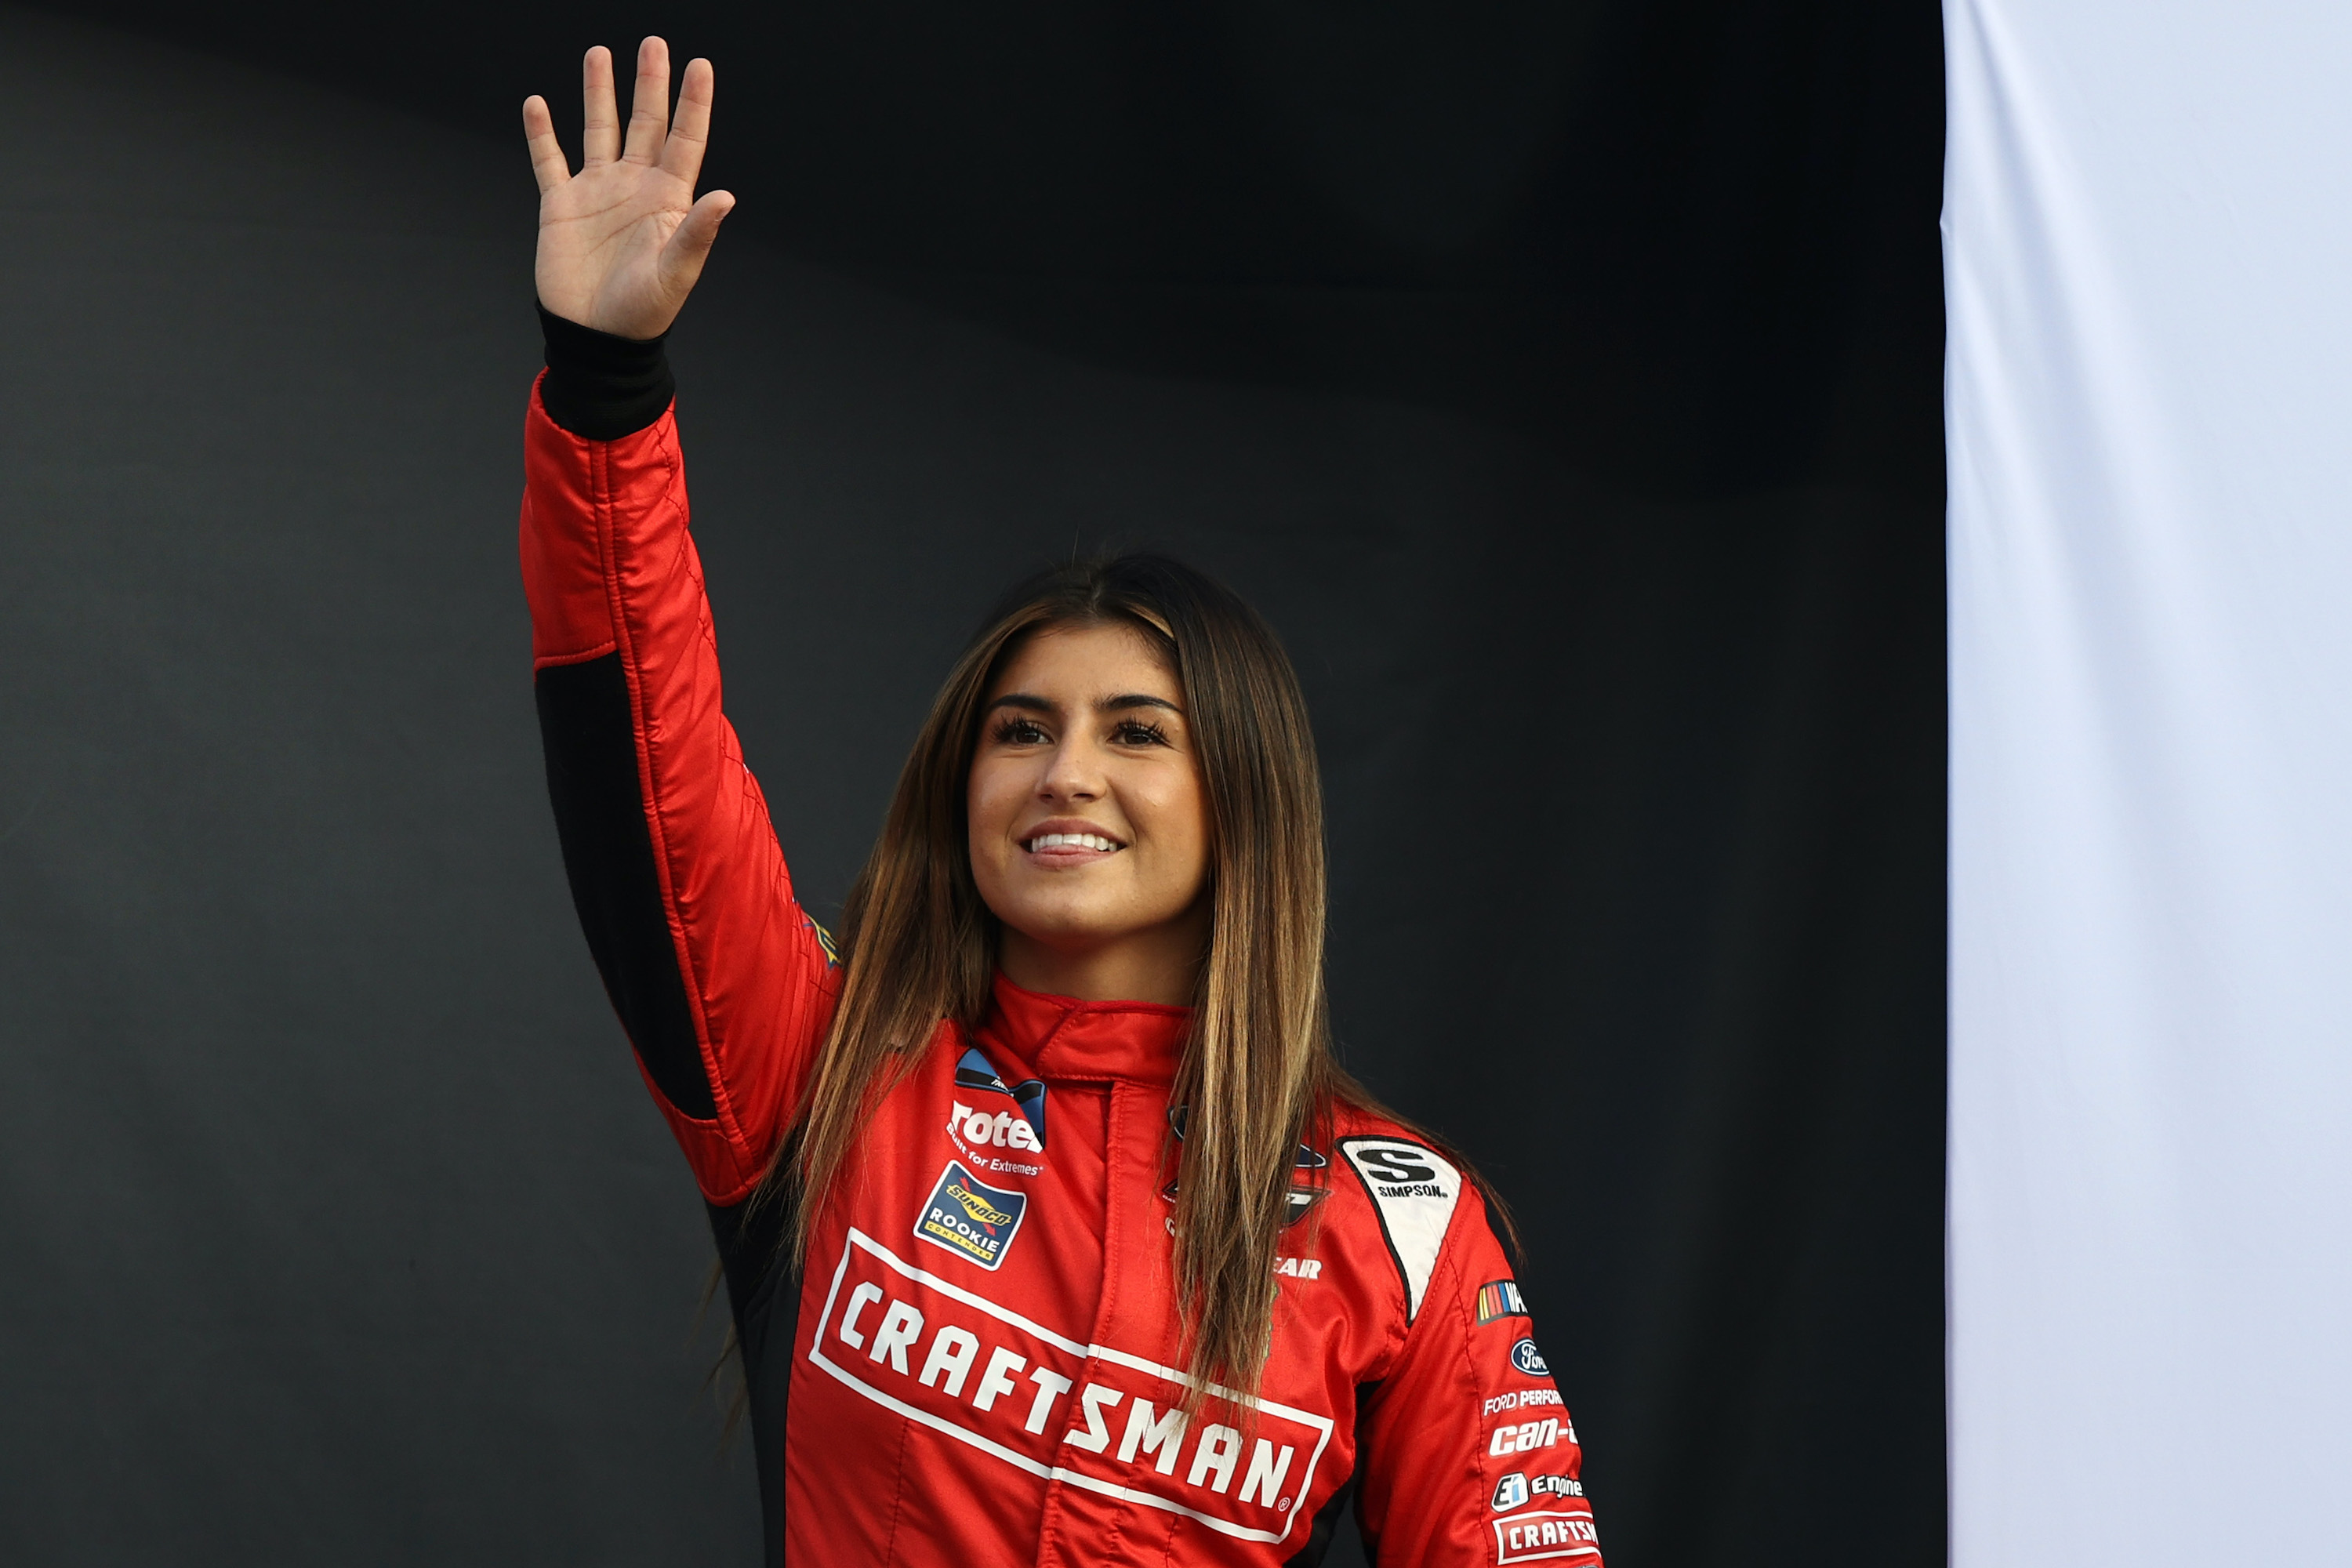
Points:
(622, 242)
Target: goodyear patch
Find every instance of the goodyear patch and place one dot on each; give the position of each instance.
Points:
(970, 1219)
(1500, 1299)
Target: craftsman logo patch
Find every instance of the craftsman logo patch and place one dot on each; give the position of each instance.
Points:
(970, 1219)
(1091, 1418)
(1526, 1537)
(1500, 1299)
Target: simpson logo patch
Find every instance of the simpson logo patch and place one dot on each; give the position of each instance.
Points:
(1526, 1537)
(970, 1219)
(1500, 1299)
(1416, 1190)
(1088, 1416)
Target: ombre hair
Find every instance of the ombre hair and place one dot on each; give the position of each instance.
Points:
(1258, 1075)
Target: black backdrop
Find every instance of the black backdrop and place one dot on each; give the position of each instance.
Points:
(1562, 378)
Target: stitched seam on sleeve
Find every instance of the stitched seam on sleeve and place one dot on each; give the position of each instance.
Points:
(682, 561)
(556, 661)
(601, 486)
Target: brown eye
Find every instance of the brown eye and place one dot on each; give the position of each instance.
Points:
(1019, 732)
(1135, 732)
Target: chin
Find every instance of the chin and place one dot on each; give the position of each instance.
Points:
(1066, 928)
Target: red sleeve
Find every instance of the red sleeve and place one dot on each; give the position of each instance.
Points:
(724, 985)
(1469, 1455)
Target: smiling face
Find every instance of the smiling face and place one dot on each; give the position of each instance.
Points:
(1088, 823)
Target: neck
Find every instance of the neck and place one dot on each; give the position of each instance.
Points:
(1160, 965)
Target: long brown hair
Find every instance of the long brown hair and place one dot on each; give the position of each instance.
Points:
(919, 945)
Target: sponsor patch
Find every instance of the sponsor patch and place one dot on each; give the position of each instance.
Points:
(1529, 1360)
(1088, 1416)
(1520, 1398)
(970, 1219)
(1524, 1538)
(1298, 1203)
(974, 1073)
(1530, 1436)
(825, 940)
(1517, 1486)
(977, 1134)
(1500, 1299)
(1414, 1190)
(1301, 1158)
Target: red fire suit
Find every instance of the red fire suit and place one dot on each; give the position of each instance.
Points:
(981, 1365)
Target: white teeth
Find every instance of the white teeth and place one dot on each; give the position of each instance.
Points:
(1072, 841)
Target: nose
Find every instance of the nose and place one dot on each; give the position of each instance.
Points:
(1074, 774)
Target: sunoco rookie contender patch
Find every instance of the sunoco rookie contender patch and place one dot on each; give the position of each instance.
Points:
(970, 1219)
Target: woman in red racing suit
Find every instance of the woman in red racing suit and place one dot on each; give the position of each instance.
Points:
(1052, 1231)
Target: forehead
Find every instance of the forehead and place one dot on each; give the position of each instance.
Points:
(1083, 662)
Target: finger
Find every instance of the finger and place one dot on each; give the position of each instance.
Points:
(547, 162)
(690, 244)
(649, 103)
(682, 153)
(600, 121)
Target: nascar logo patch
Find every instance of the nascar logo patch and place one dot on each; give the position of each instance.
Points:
(970, 1219)
(1500, 1299)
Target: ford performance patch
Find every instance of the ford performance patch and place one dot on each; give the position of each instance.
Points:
(970, 1219)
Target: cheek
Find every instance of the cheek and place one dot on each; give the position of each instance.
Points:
(990, 798)
(1183, 817)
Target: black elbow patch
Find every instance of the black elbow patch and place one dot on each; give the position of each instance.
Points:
(608, 855)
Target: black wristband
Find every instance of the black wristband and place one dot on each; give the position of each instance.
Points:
(601, 387)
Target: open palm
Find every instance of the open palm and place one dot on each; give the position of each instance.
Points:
(622, 242)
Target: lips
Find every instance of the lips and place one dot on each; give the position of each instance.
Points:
(1069, 839)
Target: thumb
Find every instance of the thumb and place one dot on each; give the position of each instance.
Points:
(689, 245)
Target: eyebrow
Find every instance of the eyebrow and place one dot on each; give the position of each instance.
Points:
(1030, 702)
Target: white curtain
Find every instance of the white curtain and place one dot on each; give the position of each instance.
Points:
(2149, 270)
